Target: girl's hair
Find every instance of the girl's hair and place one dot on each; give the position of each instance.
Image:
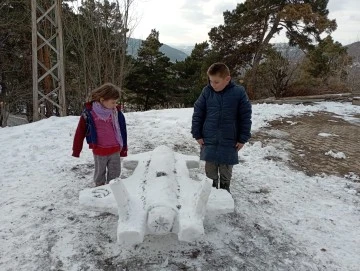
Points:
(106, 91)
(219, 69)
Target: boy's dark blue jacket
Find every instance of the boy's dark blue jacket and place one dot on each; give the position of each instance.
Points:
(86, 128)
(222, 119)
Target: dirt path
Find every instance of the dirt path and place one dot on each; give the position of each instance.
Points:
(312, 137)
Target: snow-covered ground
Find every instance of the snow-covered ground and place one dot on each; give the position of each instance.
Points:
(284, 220)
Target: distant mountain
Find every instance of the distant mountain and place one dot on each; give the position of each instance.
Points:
(292, 53)
(172, 53)
(187, 49)
(354, 51)
(179, 52)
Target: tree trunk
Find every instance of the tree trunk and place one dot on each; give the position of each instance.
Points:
(251, 86)
(124, 37)
(4, 114)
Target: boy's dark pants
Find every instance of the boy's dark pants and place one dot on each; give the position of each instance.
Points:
(213, 171)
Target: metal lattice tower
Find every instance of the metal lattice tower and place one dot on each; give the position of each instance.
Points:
(47, 59)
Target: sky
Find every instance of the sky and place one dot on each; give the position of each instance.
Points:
(186, 22)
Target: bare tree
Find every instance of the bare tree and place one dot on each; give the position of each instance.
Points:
(15, 57)
(278, 70)
(96, 37)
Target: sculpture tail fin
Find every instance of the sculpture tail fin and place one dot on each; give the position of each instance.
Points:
(121, 195)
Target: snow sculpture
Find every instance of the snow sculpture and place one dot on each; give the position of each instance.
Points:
(159, 197)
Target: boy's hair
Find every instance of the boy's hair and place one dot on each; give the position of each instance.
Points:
(106, 91)
(219, 69)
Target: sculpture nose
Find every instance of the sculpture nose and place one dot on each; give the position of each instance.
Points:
(161, 220)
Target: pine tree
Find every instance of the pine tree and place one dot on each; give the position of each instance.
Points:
(191, 73)
(327, 59)
(248, 29)
(149, 81)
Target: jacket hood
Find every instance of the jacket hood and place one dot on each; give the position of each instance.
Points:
(88, 105)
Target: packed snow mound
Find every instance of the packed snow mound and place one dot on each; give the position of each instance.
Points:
(336, 155)
(159, 197)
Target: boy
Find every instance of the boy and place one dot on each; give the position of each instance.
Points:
(221, 124)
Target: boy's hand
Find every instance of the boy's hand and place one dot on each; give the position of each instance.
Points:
(200, 141)
(238, 146)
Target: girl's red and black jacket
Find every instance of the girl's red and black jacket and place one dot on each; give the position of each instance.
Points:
(86, 129)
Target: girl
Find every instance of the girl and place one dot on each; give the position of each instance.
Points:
(103, 124)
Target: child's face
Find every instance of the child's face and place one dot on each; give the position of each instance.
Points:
(109, 104)
(218, 83)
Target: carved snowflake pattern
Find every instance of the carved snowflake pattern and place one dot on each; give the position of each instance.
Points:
(161, 225)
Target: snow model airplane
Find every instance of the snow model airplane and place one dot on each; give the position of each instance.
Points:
(159, 197)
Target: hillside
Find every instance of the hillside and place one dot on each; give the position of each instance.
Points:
(172, 53)
(295, 53)
(354, 51)
(290, 52)
(187, 49)
(179, 53)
